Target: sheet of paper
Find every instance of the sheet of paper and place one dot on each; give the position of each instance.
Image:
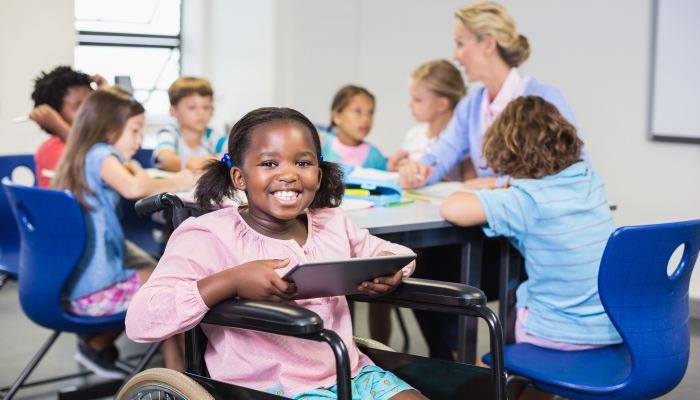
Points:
(441, 190)
(371, 173)
(355, 204)
(156, 173)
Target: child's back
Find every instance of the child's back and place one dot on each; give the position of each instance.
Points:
(560, 223)
(557, 215)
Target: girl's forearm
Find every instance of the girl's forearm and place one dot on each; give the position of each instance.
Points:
(218, 287)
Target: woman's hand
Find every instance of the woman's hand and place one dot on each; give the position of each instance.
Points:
(413, 174)
(480, 183)
(396, 160)
(382, 285)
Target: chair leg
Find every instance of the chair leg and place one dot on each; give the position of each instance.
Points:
(152, 350)
(28, 370)
(3, 278)
(404, 331)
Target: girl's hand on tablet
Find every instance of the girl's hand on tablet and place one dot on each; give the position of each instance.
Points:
(384, 284)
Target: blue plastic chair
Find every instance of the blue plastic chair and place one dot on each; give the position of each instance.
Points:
(9, 235)
(647, 306)
(53, 237)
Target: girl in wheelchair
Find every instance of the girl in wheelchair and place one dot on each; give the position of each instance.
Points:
(292, 215)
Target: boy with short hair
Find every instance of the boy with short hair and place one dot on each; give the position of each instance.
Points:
(57, 96)
(191, 143)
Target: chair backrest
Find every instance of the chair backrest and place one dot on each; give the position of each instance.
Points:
(647, 306)
(143, 156)
(53, 237)
(9, 235)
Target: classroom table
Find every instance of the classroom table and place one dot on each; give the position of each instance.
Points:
(419, 224)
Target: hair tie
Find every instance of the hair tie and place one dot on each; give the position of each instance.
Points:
(132, 99)
(321, 158)
(227, 160)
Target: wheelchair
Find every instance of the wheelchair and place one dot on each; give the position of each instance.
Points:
(436, 379)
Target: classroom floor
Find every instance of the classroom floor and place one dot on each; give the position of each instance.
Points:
(20, 339)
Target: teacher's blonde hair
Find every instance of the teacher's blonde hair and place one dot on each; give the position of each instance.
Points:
(491, 19)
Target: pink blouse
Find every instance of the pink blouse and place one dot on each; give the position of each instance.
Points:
(170, 303)
(512, 88)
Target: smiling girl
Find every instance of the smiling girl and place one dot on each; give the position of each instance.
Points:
(292, 216)
(352, 114)
(95, 167)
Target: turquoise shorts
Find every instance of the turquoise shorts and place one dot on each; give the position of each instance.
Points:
(372, 383)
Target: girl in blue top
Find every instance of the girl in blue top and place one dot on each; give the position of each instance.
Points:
(489, 49)
(95, 167)
(555, 212)
(352, 114)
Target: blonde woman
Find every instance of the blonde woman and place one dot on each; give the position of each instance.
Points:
(435, 89)
(490, 50)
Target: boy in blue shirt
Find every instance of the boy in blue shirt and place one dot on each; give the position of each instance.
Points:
(555, 212)
(191, 143)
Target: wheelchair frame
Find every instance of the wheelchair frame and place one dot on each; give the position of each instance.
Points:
(288, 320)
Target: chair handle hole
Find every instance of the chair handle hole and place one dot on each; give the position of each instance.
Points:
(677, 262)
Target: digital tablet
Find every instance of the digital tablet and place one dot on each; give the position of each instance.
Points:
(326, 278)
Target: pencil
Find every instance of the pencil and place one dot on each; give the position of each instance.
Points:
(183, 163)
(400, 203)
(416, 197)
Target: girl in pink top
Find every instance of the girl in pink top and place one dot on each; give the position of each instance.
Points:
(291, 216)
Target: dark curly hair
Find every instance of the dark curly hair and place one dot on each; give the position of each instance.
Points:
(215, 184)
(51, 88)
(531, 139)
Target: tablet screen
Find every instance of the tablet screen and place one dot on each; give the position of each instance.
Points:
(327, 278)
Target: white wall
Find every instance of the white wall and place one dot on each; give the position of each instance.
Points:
(35, 36)
(231, 43)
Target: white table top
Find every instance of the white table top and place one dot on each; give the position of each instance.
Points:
(409, 217)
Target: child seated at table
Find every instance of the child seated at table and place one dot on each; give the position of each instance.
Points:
(191, 143)
(57, 96)
(555, 212)
(352, 114)
(435, 88)
(95, 167)
(292, 215)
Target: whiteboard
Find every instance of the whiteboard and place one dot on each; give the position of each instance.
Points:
(675, 86)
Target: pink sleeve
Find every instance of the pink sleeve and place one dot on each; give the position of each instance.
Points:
(363, 244)
(170, 303)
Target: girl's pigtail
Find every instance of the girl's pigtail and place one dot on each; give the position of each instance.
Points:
(214, 186)
(332, 187)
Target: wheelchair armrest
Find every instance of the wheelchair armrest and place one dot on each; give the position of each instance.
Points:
(264, 316)
(434, 292)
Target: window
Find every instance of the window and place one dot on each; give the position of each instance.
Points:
(135, 38)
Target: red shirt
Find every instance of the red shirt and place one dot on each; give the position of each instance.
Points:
(46, 158)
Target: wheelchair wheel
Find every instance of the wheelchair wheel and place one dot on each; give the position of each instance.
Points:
(163, 384)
